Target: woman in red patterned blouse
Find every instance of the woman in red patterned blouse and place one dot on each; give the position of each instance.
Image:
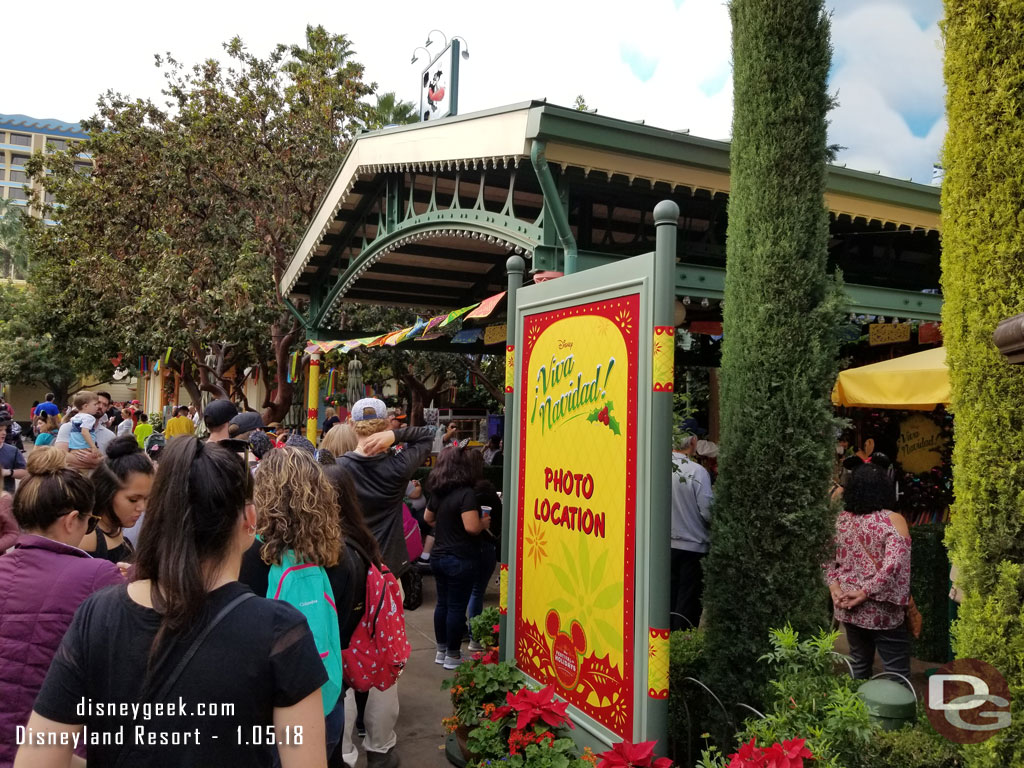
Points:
(869, 577)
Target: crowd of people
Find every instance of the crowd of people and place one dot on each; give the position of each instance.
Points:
(153, 610)
(868, 576)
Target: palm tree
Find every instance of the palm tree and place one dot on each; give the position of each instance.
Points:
(13, 241)
(389, 110)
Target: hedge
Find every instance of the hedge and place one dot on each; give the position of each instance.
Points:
(929, 584)
(983, 282)
(770, 521)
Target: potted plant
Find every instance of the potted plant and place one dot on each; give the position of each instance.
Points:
(478, 687)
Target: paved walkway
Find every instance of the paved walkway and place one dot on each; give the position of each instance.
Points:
(422, 703)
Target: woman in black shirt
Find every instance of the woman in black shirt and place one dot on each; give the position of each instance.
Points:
(123, 480)
(453, 509)
(490, 540)
(184, 666)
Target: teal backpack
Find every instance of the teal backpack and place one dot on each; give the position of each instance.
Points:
(306, 586)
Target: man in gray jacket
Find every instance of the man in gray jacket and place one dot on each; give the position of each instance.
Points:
(691, 534)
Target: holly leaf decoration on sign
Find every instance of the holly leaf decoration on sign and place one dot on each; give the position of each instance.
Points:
(604, 416)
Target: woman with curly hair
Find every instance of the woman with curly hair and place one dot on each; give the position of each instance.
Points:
(298, 517)
(869, 575)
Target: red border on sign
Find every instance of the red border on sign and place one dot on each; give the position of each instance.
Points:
(533, 326)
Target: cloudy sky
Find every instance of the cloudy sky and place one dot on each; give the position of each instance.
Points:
(664, 61)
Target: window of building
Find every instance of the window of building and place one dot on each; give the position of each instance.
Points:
(19, 159)
(3, 174)
(21, 139)
(3, 137)
(84, 168)
(17, 193)
(56, 145)
(19, 176)
(50, 198)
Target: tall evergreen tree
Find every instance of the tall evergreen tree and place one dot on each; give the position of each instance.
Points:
(770, 521)
(983, 282)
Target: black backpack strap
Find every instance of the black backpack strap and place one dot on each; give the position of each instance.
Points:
(172, 678)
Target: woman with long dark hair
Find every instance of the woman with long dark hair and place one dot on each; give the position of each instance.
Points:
(490, 540)
(453, 510)
(297, 519)
(245, 670)
(123, 481)
(361, 550)
(869, 576)
(45, 577)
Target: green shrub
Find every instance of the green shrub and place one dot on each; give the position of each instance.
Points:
(929, 584)
(771, 526)
(912, 747)
(156, 420)
(810, 701)
(983, 282)
(689, 706)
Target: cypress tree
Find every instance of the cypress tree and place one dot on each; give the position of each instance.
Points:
(983, 282)
(770, 522)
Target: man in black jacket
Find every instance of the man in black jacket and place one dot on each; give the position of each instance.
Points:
(380, 476)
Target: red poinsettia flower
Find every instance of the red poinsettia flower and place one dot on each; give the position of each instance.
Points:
(626, 754)
(531, 706)
(749, 754)
(788, 754)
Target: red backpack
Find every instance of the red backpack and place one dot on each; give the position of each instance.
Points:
(378, 650)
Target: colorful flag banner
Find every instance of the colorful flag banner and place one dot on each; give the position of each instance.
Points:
(468, 336)
(416, 330)
(434, 323)
(455, 314)
(496, 334)
(430, 336)
(487, 306)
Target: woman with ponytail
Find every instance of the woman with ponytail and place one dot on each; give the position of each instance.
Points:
(242, 671)
(45, 578)
(123, 480)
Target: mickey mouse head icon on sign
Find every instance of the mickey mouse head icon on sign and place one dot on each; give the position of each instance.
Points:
(567, 649)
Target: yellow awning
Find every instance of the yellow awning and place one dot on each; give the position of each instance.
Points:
(916, 382)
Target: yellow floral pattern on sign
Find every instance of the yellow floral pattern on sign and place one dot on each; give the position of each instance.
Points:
(664, 358)
(657, 663)
(510, 368)
(503, 589)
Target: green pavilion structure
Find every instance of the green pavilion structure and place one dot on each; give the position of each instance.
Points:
(426, 216)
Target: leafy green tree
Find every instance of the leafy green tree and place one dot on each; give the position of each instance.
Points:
(390, 110)
(14, 245)
(982, 283)
(32, 352)
(770, 515)
(179, 238)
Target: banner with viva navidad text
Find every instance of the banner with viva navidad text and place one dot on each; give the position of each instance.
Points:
(576, 539)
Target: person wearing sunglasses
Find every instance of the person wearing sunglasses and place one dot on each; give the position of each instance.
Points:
(45, 577)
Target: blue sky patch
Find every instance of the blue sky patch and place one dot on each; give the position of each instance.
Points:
(641, 64)
(920, 122)
(716, 81)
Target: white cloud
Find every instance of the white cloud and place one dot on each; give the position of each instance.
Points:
(888, 65)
